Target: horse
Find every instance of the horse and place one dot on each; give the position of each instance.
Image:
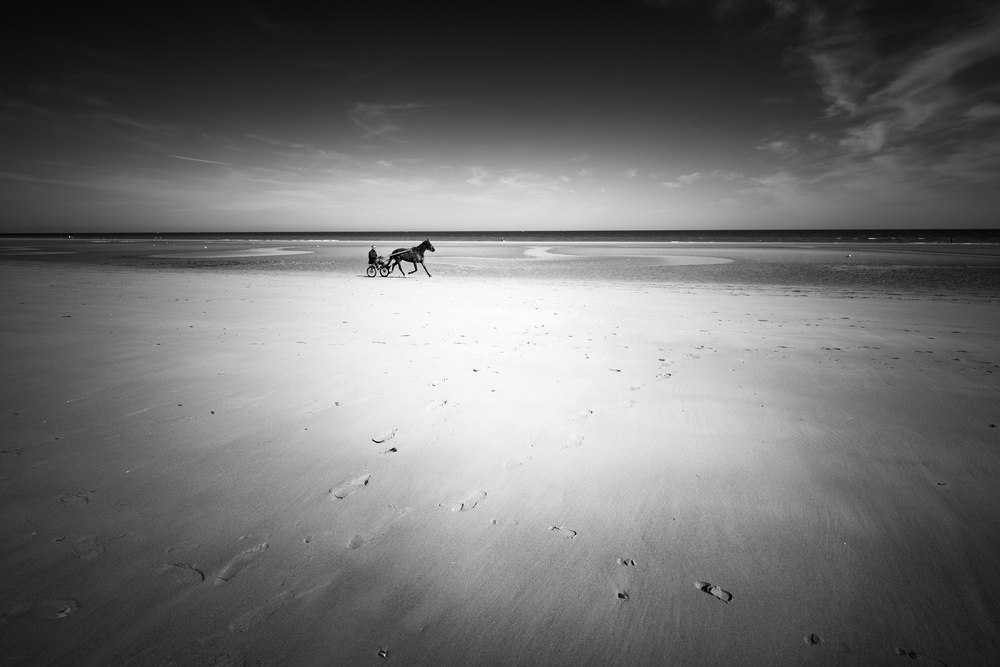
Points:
(413, 255)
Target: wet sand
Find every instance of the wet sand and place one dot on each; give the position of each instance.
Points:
(594, 458)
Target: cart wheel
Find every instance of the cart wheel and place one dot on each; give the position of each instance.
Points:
(371, 271)
(384, 271)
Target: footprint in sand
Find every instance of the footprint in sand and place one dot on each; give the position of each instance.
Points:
(627, 562)
(503, 522)
(913, 655)
(563, 531)
(361, 540)
(384, 436)
(237, 563)
(64, 608)
(349, 486)
(229, 660)
(436, 404)
(469, 503)
(88, 548)
(814, 639)
(712, 589)
(182, 574)
(58, 608)
(581, 415)
(516, 463)
(575, 442)
(245, 622)
(73, 499)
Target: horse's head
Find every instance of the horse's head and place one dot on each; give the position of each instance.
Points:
(427, 245)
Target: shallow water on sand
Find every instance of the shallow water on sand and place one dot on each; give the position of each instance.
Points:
(878, 267)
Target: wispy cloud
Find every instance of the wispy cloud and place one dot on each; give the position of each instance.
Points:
(900, 92)
(146, 124)
(906, 113)
(382, 119)
(277, 142)
(984, 111)
(478, 175)
(531, 183)
(73, 91)
(926, 96)
(691, 179)
(195, 159)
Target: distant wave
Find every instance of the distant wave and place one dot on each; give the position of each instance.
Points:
(956, 236)
(232, 254)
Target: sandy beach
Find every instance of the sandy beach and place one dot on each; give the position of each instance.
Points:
(538, 456)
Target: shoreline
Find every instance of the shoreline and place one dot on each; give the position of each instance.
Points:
(912, 272)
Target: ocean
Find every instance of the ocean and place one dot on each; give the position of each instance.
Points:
(963, 236)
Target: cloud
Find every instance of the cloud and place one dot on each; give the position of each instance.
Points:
(195, 159)
(73, 91)
(531, 183)
(478, 174)
(276, 142)
(690, 179)
(630, 173)
(783, 148)
(893, 88)
(983, 111)
(378, 120)
(23, 110)
(909, 109)
(976, 162)
(154, 126)
(926, 87)
(866, 138)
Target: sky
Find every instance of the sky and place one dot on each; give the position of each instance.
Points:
(542, 115)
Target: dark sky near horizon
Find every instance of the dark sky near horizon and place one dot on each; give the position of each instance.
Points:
(630, 114)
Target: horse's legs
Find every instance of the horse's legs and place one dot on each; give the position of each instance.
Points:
(414, 268)
(425, 269)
